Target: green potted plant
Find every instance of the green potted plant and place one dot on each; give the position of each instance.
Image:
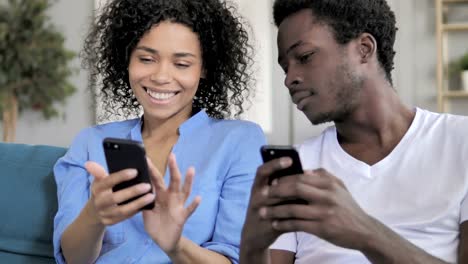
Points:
(34, 64)
(460, 66)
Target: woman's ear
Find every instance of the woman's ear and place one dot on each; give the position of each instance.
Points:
(203, 73)
(367, 47)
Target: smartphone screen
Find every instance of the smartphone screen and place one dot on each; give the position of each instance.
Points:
(270, 152)
(127, 154)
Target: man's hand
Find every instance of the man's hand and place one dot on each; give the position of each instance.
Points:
(332, 214)
(258, 233)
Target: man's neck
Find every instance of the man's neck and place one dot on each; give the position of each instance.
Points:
(378, 124)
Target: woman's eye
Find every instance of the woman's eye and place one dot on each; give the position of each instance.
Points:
(146, 60)
(182, 65)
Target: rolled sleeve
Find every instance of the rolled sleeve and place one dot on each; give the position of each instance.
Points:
(72, 190)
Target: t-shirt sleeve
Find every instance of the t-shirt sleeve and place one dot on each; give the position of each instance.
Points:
(235, 192)
(286, 241)
(72, 189)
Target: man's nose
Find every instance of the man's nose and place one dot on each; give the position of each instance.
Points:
(293, 79)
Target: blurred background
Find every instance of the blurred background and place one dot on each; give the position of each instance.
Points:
(415, 74)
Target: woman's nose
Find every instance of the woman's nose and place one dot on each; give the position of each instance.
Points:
(161, 74)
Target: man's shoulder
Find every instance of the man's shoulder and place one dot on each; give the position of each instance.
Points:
(316, 141)
(445, 121)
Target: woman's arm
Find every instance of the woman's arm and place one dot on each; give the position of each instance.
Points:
(189, 252)
(81, 242)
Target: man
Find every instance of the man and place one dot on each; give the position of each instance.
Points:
(387, 183)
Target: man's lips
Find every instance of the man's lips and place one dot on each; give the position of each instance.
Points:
(299, 95)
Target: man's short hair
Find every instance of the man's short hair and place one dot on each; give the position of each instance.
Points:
(348, 19)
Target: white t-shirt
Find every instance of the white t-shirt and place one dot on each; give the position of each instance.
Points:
(419, 190)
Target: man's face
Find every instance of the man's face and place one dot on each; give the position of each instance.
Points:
(320, 74)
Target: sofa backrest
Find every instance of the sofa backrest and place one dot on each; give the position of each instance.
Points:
(28, 198)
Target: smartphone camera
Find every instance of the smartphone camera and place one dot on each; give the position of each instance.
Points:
(272, 152)
(111, 146)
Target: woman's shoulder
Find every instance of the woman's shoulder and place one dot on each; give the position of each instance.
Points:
(236, 126)
(110, 129)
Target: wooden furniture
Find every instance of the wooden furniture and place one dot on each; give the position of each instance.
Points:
(443, 28)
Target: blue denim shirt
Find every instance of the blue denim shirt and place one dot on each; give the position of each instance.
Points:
(225, 154)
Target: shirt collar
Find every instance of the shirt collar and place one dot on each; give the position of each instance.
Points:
(198, 119)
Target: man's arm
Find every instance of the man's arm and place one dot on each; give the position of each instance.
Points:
(278, 256)
(463, 245)
(386, 246)
(333, 215)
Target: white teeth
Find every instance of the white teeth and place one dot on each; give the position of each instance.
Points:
(160, 96)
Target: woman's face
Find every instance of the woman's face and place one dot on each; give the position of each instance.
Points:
(165, 69)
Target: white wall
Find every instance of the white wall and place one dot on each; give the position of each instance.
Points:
(71, 17)
(414, 76)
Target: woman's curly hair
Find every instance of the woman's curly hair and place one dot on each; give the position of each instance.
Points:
(348, 19)
(226, 53)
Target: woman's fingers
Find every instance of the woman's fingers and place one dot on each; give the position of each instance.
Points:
(157, 178)
(191, 208)
(174, 185)
(96, 170)
(187, 188)
(115, 214)
(131, 192)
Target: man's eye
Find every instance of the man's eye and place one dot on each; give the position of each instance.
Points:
(305, 58)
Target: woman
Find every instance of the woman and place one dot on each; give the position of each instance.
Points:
(184, 64)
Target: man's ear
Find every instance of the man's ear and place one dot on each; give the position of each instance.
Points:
(367, 46)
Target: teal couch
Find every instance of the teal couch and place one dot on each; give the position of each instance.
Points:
(28, 202)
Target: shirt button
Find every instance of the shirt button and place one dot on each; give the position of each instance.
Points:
(147, 242)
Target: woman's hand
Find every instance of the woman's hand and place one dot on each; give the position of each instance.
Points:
(165, 222)
(103, 205)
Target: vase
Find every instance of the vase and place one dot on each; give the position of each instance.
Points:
(9, 117)
(464, 79)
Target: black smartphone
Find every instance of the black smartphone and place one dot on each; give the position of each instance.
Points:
(270, 152)
(127, 154)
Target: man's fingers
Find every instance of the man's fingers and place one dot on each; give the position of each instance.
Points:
(296, 189)
(296, 211)
(294, 225)
(268, 168)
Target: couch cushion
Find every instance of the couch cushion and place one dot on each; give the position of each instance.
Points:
(28, 199)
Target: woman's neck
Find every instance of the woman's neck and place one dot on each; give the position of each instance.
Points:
(159, 130)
